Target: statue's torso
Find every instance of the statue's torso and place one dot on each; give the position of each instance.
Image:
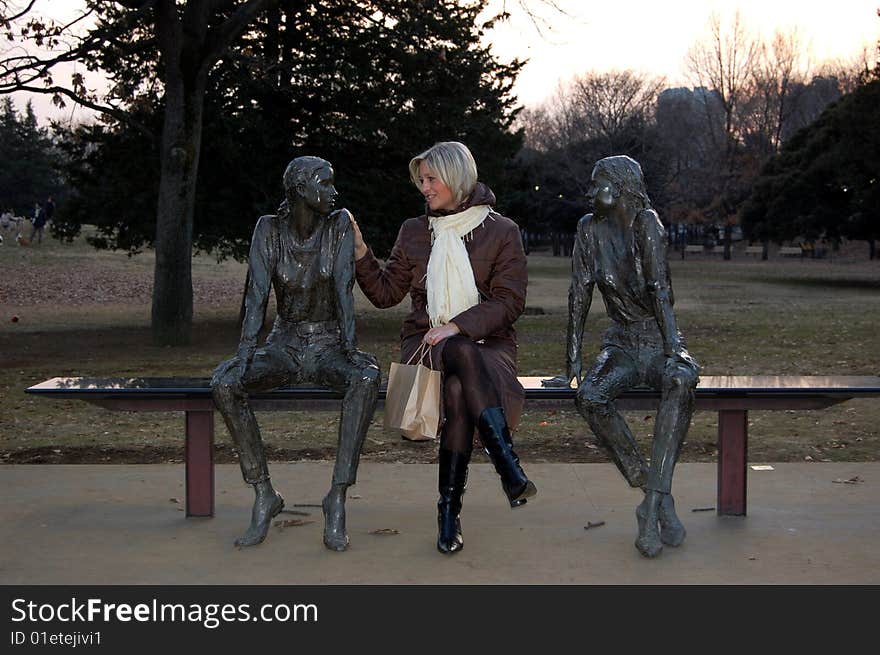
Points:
(615, 259)
(303, 277)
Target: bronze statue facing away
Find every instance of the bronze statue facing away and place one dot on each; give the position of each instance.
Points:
(621, 247)
(306, 254)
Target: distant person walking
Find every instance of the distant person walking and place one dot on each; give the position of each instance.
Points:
(39, 222)
(48, 210)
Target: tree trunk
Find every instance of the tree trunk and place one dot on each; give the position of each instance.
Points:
(765, 253)
(872, 249)
(172, 281)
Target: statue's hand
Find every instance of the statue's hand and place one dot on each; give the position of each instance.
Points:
(361, 359)
(245, 357)
(573, 372)
(360, 248)
(557, 381)
(682, 358)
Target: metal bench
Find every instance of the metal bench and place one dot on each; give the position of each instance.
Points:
(694, 250)
(754, 250)
(731, 396)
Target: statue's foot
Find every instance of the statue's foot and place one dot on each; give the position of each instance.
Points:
(266, 507)
(672, 532)
(335, 536)
(648, 542)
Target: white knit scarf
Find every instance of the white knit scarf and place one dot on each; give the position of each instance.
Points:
(450, 285)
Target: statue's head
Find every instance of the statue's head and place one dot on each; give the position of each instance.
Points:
(311, 178)
(626, 178)
(452, 163)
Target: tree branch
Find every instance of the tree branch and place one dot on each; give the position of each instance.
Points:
(118, 114)
(6, 20)
(231, 28)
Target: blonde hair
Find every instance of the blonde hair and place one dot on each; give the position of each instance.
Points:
(453, 163)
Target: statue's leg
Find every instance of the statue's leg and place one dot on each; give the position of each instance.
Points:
(231, 398)
(613, 372)
(359, 376)
(677, 383)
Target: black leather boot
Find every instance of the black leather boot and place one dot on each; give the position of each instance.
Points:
(452, 481)
(498, 444)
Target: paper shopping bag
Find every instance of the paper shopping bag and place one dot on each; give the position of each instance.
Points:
(412, 401)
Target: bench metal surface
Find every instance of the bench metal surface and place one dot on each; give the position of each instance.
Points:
(731, 396)
(834, 388)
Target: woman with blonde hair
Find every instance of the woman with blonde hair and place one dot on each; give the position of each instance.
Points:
(464, 268)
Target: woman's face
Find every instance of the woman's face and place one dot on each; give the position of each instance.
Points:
(437, 194)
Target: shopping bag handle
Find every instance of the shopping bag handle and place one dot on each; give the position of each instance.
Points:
(420, 351)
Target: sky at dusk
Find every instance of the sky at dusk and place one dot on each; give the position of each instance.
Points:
(654, 37)
(643, 35)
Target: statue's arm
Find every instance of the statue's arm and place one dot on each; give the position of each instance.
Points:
(256, 294)
(652, 245)
(343, 275)
(580, 297)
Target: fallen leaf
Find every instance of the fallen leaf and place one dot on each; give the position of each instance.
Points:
(853, 480)
(591, 524)
(543, 424)
(293, 511)
(355, 496)
(384, 531)
(174, 500)
(702, 509)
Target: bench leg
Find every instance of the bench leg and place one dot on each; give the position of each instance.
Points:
(200, 463)
(732, 457)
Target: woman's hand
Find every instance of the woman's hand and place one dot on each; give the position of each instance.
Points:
(437, 334)
(360, 248)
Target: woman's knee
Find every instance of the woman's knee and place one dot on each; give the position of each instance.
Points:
(453, 392)
(458, 349)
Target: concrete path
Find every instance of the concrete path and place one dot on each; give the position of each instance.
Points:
(124, 524)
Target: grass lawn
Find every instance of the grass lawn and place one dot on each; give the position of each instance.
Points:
(86, 312)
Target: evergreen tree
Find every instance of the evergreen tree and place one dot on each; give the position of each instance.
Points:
(366, 85)
(27, 166)
(825, 181)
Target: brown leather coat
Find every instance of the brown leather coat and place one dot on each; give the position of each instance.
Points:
(499, 263)
(500, 272)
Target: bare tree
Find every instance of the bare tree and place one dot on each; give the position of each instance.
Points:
(594, 106)
(778, 83)
(724, 62)
(607, 105)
